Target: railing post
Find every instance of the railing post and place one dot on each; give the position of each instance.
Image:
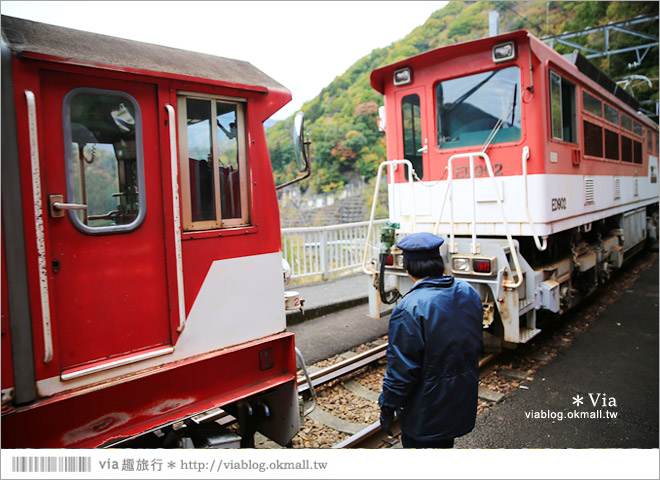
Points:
(324, 255)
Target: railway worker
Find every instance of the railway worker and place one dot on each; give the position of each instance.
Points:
(435, 335)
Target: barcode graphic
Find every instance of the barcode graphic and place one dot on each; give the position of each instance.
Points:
(51, 464)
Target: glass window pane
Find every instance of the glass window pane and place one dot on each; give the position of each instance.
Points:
(105, 165)
(230, 185)
(200, 159)
(611, 114)
(592, 104)
(412, 133)
(469, 108)
(637, 129)
(555, 106)
(626, 122)
(568, 111)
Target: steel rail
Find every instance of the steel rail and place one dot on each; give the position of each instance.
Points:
(342, 368)
(371, 437)
(374, 437)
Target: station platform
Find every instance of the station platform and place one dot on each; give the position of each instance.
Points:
(329, 296)
(600, 392)
(336, 318)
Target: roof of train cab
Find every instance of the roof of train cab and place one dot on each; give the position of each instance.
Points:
(384, 74)
(28, 39)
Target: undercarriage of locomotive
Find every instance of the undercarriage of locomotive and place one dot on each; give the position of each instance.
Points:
(516, 280)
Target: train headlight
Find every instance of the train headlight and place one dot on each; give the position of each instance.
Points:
(403, 76)
(460, 265)
(504, 52)
(474, 265)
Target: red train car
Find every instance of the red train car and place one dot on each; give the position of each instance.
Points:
(142, 277)
(536, 167)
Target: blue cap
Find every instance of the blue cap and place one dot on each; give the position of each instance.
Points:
(420, 246)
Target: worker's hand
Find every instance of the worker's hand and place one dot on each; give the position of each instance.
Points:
(386, 419)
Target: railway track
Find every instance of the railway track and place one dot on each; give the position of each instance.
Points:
(341, 374)
(499, 374)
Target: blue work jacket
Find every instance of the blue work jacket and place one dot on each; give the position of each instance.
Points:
(432, 378)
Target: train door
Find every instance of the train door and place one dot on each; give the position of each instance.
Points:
(105, 239)
(413, 143)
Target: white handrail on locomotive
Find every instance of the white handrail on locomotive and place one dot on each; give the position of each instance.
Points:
(540, 246)
(393, 163)
(39, 225)
(174, 161)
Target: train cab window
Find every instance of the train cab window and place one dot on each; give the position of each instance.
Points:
(469, 108)
(591, 104)
(562, 109)
(213, 158)
(637, 129)
(412, 133)
(103, 142)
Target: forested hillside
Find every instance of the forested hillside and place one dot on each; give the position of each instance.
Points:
(342, 118)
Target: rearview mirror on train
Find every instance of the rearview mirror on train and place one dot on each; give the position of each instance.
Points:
(300, 149)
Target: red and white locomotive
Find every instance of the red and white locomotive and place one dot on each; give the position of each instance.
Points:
(142, 276)
(538, 170)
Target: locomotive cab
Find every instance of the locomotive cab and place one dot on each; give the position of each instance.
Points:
(140, 219)
(537, 171)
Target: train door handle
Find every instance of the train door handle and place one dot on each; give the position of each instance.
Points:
(58, 207)
(424, 149)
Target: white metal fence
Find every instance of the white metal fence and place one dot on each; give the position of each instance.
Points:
(326, 250)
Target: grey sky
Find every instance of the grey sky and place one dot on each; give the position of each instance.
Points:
(303, 45)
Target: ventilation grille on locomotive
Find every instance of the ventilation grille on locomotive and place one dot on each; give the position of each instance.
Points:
(589, 191)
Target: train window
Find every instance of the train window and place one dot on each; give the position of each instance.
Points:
(469, 108)
(591, 104)
(611, 114)
(637, 152)
(611, 145)
(637, 129)
(626, 149)
(213, 162)
(626, 122)
(562, 109)
(593, 139)
(412, 133)
(103, 141)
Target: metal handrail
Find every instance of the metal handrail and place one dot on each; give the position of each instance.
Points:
(174, 166)
(39, 225)
(309, 382)
(491, 174)
(375, 200)
(539, 246)
(314, 251)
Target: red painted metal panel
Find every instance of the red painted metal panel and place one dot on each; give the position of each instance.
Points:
(533, 59)
(103, 414)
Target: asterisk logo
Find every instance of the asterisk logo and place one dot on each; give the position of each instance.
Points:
(577, 400)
